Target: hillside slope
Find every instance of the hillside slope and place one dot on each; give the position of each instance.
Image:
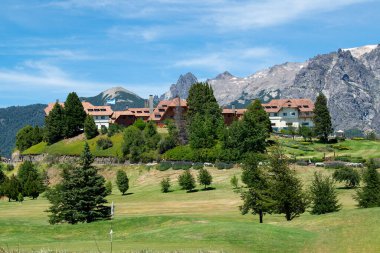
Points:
(13, 119)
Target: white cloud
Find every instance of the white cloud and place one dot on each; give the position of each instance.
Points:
(235, 59)
(227, 15)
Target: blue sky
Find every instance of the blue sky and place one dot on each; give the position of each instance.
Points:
(49, 48)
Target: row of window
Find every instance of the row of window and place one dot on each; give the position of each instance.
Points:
(291, 124)
(100, 117)
(284, 114)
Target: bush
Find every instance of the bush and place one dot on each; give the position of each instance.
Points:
(334, 164)
(340, 147)
(114, 129)
(348, 175)
(316, 160)
(165, 185)
(180, 153)
(358, 139)
(234, 182)
(104, 143)
(224, 166)
(302, 163)
(182, 165)
(186, 181)
(103, 130)
(350, 159)
(164, 166)
(108, 188)
(9, 167)
(166, 144)
(149, 156)
(198, 166)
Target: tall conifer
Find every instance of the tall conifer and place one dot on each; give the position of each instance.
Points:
(54, 124)
(74, 115)
(322, 119)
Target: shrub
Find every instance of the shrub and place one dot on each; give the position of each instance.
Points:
(165, 185)
(340, 147)
(103, 130)
(348, 175)
(358, 139)
(114, 129)
(164, 166)
(9, 167)
(186, 181)
(234, 182)
(182, 165)
(122, 181)
(108, 188)
(198, 166)
(104, 143)
(224, 166)
(149, 156)
(350, 159)
(316, 160)
(334, 164)
(180, 153)
(166, 144)
(302, 163)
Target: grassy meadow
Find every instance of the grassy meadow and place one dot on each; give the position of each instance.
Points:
(147, 220)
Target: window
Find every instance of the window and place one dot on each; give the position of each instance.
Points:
(161, 110)
(103, 117)
(284, 114)
(157, 116)
(273, 124)
(289, 124)
(293, 113)
(305, 123)
(275, 114)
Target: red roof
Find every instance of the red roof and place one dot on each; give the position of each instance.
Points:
(88, 107)
(304, 105)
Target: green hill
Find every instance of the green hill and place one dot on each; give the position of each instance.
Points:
(147, 220)
(13, 119)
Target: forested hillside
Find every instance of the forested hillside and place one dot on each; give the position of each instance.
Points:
(13, 119)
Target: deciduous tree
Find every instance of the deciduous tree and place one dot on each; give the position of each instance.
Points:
(122, 181)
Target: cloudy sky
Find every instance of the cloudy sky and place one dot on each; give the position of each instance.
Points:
(51, 47)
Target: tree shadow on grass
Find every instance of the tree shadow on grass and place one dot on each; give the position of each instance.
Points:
(193, 190)
(128, 193)
(210, 188)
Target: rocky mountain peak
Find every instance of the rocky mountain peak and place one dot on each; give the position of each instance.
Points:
(224, 75)
(115, 91)
(181, 88)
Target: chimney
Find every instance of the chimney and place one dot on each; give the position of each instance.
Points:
(150, 104)
(126, 107)
(233, 109)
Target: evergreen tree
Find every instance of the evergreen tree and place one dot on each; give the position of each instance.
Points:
(31, 181)
(109, 187)
(204, 178)
(122, 181)
(54, 124)
(27, 137)
(322, 119)
(133, 143)
(286, 187)
(20, 198)
(348, 175)
(257, 198)
(324, 197)
(165, 185)
(140, 124)
(186, 181)
(205, 120)
(90, 128)
(3, 180)
(250, 133)
(74, 115)
(80, 197)
(12, 188)
(369, 194)
(151, 136)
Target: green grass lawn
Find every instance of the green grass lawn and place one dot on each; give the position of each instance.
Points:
(75, 147)
(207, 221)
(354, 148)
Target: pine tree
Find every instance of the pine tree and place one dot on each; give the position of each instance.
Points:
(258, 198)
(322, 119)
(286, 188)
(54, 124)
(165, 185)
(81, 195)
(31, 181)
(250, 133)
(204, 178)
(369, 194)
(12, 188)
(109, 187)
(324, 197)
(186, 181)
(74, 115)
(151, 136)
(122, 181)
(90, 128)
(134, 143)
(204, 116)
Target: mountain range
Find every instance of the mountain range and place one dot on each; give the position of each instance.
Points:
(350, 79)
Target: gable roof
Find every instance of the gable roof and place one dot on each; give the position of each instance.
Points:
(88, 108)
(302, 104)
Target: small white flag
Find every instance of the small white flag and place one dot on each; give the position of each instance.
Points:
(112, 209)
